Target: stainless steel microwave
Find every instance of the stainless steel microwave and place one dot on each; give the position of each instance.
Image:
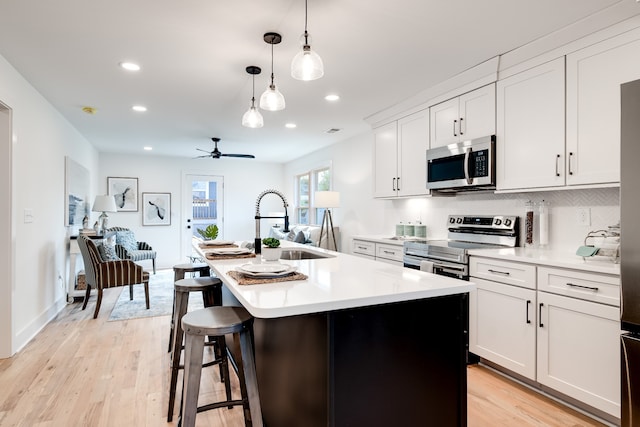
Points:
(464, 166)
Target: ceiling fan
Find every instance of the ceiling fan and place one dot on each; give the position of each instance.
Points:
(216, 154)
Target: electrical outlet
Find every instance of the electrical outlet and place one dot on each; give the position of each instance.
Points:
(584, 216)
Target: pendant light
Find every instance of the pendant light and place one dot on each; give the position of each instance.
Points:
(272, 99)
(252, 118)
(306, 65)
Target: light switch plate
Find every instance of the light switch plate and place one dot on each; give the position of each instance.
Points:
(584, 216)
(28, 216)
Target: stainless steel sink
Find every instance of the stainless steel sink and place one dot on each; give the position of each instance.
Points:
(293, 254)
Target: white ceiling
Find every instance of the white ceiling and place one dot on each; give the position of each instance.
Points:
(194, 53)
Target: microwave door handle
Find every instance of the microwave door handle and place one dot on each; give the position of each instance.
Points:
(467, 158)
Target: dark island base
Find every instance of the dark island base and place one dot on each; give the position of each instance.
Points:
(400, 364)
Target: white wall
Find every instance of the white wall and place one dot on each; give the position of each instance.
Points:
(244, 180)
(361, 214)
(41, 139)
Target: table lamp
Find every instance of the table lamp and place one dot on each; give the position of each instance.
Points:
(104, 204)
(327, 200)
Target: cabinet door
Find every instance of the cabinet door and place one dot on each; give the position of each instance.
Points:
(385, 167)
(413, 141)
(478, 113)
(530, 128)
(502, 325)
(594, 76)
(444, 123)
(579, 350)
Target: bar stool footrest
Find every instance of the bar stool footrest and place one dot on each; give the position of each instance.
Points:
(217, 405)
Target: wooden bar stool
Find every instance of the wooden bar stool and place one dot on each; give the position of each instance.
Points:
(219, 321)
(179, 272)
(211, 288)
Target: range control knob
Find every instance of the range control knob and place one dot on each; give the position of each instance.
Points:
(498, 221)
(452, 220)
(458, 220)
(507, 222)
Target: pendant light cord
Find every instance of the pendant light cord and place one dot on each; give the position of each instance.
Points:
(271, 62)
(306, 34)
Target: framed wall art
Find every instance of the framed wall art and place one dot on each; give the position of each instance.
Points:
(76, 198)
(156, 208)
(125, 191)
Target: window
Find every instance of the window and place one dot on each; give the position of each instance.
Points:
(306, 184)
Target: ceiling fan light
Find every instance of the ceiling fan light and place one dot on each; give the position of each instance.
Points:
(307, 65)
(272, 99)
(252, 118)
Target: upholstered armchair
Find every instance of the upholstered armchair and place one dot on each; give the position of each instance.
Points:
(127, 247)
(107, 274)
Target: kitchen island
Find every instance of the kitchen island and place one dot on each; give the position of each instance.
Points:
(359, 343)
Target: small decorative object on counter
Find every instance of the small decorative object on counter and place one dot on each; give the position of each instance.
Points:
(409, 230)
(96, 227)
(399, 230)
(528, 224)
(543, 221)
(85, 222)
(272, 250)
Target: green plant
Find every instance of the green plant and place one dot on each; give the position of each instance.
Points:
(271, 242)
(211, 232)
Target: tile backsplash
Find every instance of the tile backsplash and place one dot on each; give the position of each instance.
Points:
(565, 233)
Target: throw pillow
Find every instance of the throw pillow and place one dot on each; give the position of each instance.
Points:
(300, 237)
(107, 252)
(127, 240)
(277, 234)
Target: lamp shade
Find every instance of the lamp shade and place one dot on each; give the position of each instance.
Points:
(104, 203)
(327, 199)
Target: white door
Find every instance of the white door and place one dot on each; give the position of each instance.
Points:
(530, 128)
(413, 141)
(478, 113)
(202, 205)
(579, 350)
(385, 167)
(444, 123)
(502, 325)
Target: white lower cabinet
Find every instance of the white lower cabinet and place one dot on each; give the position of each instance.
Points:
(504, 326)
(579, 350)
(391, 254)
(552, 328)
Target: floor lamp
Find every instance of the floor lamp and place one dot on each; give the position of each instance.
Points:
(327, 200)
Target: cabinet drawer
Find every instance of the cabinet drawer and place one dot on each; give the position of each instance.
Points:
(394, 253)
(594, 287)
(364, 247)
(511, 273)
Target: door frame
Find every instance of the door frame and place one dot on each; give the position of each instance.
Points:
(7, 234)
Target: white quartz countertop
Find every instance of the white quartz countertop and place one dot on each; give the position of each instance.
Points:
(549, 258)
(341, 282)
(382, 238)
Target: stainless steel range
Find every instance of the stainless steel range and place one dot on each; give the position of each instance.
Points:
(450, 257)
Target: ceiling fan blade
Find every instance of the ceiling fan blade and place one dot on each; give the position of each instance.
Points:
(204, 151)
(244, 156)
(200, 157)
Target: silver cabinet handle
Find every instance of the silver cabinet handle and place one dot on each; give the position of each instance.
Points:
(389, 252)
(590, 288)
(460, 126)
(362, 247)
(557, 161)
(455, 122)
(504, 273)
(570, 157)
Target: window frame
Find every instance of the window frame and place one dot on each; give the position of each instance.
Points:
(314, 217)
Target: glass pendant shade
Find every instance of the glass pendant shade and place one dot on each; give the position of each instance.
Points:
(307, 65)
(252, 118)
(272, 99)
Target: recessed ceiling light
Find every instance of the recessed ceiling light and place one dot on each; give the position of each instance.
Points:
(130, 66)
(139, 108)
(291, 125)
(148, 148)
(332, 97)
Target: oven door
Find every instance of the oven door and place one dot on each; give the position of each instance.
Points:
(442, 268)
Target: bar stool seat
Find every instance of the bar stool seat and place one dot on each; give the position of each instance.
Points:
(211, 288)
(179, 272)
(219, 321)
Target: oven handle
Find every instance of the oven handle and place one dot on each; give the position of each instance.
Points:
(467, 158)
(431, 257)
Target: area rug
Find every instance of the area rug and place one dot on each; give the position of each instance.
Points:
(160, 299)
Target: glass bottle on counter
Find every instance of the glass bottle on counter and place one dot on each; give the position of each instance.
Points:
(528, 224)
(543, 222)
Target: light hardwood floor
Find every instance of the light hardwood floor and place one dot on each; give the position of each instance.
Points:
(84, 372)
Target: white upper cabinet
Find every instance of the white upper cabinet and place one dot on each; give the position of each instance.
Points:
(530, 138)
(467, 116)
(400, 165)
(594, 75)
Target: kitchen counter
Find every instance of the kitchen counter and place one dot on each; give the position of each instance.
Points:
(358, 343)
(340, 282)
(381, 238)
(549, 258)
